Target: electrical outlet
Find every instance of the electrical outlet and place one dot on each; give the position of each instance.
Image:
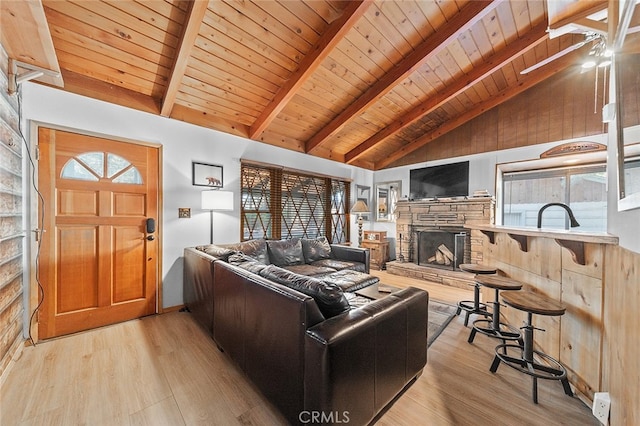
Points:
(184, 212)
(601, 407)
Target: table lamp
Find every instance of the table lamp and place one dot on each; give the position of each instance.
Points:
(360, 207)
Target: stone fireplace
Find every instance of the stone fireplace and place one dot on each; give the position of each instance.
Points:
(432, 239)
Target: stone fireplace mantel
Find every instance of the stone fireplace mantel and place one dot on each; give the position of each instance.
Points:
(451, 214)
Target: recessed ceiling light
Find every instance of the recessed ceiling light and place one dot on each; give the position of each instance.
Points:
(605, 63)
(589, 64)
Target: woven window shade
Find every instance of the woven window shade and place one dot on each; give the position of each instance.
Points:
(278, 203)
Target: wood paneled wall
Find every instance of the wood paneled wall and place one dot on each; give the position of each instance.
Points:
(620, 349)
(11, 213)
(563, 107)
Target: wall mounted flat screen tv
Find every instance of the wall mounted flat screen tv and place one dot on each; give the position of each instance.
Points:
(446, 180)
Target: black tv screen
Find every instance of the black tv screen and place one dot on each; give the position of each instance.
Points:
(446, 180)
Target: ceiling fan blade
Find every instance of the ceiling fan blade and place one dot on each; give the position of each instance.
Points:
(554, 56)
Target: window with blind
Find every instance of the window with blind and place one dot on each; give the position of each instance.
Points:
(279, 203)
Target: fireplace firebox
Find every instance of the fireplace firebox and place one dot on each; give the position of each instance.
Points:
(441, 248)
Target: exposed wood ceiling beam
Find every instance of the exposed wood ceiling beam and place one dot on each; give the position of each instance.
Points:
(191, 28)
(329, 39)
(98, 89)
(582, 12)
(526, 83)
(465, 19)
(26, 37)
(591, 25)
(537, 35)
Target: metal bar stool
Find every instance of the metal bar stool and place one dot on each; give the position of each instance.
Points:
(535, 363)
(493, 327)
(474, 306)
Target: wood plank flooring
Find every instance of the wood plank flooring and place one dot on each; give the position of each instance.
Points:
(164, 370)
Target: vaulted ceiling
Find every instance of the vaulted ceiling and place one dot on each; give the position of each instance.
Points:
(361, 82)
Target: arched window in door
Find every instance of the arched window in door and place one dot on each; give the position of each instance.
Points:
(96, 166)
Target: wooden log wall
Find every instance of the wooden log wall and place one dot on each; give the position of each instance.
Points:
(560, 108)
(11, 214)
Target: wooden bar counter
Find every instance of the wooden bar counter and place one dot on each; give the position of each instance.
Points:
(567, 266)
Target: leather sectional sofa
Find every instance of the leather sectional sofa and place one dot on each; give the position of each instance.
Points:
(316, 351)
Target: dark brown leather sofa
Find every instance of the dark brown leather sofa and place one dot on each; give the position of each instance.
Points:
(315, 370)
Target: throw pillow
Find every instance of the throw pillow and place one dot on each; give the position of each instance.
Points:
(254, 248)
(221, 253)
(285, 252)
(247, 263)
(316, 249)
(329, 298)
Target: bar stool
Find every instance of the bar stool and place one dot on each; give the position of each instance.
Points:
(549, 369)
(474, 306)
(493, 327)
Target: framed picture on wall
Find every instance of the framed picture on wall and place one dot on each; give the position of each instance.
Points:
(364, 193)
(204, 174)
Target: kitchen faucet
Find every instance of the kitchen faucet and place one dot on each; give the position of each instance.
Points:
(572, 218)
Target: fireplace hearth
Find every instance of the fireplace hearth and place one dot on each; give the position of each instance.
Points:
(441, 248)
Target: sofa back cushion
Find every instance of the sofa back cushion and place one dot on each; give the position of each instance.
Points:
(219, 252)
(285, 252)
(329, 297)
(316, 249)
(247, 263)
(254, 248)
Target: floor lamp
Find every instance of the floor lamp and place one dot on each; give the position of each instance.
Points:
(216, 200)
(360, 207)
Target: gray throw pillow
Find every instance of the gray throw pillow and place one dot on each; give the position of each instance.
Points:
(316, 249)
(285, 252)
(221, 253)
(254, 248)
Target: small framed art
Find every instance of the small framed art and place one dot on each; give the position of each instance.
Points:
(204, 174)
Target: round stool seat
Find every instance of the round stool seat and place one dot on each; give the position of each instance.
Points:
(498, 282)
(534, 303)
(476, 268)
(493, 327)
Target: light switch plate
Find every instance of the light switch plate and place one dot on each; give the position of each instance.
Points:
(184, 212)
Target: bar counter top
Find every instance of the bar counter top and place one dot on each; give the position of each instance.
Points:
(558, 234)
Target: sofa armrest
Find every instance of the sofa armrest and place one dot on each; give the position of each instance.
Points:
(198, 286)
(352, 254)
(357, 362)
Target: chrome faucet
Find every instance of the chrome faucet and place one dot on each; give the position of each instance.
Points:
(572, 218)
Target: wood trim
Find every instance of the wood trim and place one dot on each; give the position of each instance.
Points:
(329, 39)
(465, 19)
(292, 170)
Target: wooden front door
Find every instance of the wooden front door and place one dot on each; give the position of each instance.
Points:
(99, 254)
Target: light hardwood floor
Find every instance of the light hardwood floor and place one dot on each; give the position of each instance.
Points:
(164, 370)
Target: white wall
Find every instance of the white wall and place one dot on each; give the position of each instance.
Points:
(181, 143)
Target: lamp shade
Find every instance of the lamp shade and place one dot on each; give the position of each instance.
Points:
(360, 207)
(217, 200)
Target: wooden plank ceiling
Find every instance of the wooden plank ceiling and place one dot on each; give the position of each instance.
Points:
(361, 82)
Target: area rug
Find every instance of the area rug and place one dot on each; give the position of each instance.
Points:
(440, 315)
